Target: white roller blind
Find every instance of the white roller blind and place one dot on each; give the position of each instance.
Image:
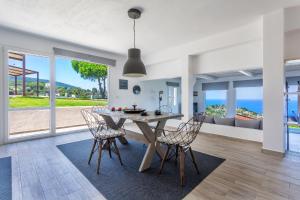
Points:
(83, 56)
(293, 80)
(173, 84)
(248, 83)
(215, 86)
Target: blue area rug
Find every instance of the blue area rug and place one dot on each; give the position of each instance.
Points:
(5, 179)
(125, 182)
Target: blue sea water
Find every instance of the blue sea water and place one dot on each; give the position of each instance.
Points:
(253, 105)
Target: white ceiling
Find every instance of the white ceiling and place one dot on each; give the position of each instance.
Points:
(104, 24)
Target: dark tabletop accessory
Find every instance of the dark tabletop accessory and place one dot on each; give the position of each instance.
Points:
(144, 113)
(157, 112)
(133, 110)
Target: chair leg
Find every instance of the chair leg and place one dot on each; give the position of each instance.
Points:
(194, 161)
(92, 151)
(100, 146)
(117, 151)
(181, 163)
(176, 154)
(164, 159)
(108, 146)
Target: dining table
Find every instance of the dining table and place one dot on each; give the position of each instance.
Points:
(116, 119)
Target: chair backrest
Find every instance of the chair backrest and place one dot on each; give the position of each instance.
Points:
(94, 124)
(188, 132)
(99, 108)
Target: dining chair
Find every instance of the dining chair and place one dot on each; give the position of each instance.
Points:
(181, 139)
(104, 137)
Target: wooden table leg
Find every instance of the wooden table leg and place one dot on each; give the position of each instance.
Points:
(152, 146)
(116, 126)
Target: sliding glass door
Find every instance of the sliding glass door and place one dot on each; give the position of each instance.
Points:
(79, 85)
(28, 78)
(45, 94)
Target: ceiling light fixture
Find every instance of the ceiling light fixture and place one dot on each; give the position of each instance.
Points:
(134, 67)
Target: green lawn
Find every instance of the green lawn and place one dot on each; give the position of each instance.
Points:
(26, 102)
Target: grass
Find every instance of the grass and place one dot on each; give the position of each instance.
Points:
(29, 102)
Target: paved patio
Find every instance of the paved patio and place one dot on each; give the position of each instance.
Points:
(39, 120)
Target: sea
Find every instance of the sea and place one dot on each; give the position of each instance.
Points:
(253, 105)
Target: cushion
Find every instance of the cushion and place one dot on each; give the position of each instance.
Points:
(252, 123)
(224, 121)
(174, 137)
(209, 119)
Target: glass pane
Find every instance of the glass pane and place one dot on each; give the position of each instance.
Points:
(29, 85)
(28, 80)
(249, 103)
(28, 121)
(215, 102)
(293, 88)
(84, 86)
(293, 119)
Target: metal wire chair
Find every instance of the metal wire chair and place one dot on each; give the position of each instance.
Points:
(104, 137)
(181, 139)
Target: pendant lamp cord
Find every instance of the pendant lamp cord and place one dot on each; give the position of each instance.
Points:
(134, 33)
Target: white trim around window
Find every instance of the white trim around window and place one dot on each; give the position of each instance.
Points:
(5, 96)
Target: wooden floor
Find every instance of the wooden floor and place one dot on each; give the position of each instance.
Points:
(41, 171)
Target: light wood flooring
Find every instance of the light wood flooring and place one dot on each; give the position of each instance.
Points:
(41, 171)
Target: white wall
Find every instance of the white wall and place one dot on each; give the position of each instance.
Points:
(242, 35)
(12, 38)
(232, 58)
(157, 74)
(234, 132)
(273, 82)
(292, 47)
(188, 81)
(292, 33)
(147, 99)
(292, 18)
(166, 69)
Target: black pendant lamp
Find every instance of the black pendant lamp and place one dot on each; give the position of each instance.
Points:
(134, 67)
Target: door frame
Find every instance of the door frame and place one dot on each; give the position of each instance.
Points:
(5, 96)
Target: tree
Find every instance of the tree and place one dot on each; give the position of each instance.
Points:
(94, 91)
(93, 72)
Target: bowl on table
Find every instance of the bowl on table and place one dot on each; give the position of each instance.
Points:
(133, 111)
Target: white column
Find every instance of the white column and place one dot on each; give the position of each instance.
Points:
(231, 100)
(187, 86)
(200, 99)
(2, 115)
(273, 82)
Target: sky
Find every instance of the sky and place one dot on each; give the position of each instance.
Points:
(64, 71)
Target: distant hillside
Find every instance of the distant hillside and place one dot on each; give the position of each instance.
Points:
(29, 79)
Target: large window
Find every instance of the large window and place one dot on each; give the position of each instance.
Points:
(215, 102)
(79, 85)
(249, 102)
